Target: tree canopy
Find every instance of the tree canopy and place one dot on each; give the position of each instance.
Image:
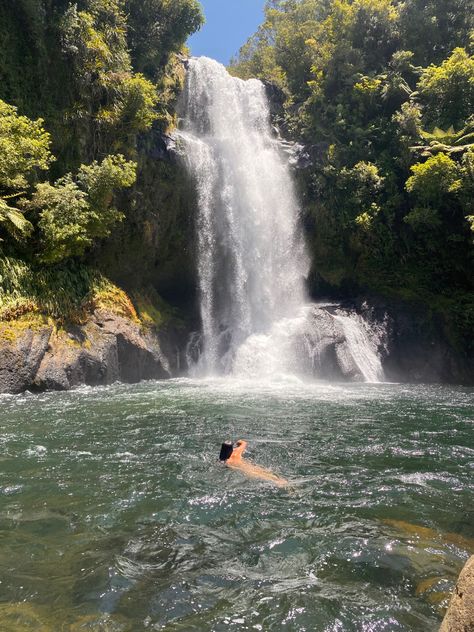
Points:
(102, 72)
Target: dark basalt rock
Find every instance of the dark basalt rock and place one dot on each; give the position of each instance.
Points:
(110, 348)
(417, 349)
(158, 146)
(106, 349)
(21, 358)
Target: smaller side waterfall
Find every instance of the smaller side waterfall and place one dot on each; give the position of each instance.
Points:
(322, 341)
(362, 346)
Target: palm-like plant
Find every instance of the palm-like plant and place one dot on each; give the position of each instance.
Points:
(14, 222)
(447, 141)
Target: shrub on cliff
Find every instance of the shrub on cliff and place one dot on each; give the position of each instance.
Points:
(75, 210)
(67, 215)
(24, 152)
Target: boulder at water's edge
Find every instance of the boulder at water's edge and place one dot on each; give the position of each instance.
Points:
(105, 349)
(460, 614)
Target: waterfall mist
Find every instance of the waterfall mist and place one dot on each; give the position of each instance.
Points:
(252, 259)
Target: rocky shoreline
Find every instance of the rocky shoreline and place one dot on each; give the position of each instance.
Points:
(105, 349)
(108, 347)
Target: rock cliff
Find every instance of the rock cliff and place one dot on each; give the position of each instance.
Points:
(105, 349)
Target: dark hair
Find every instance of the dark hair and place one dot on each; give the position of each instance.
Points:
(226, 450)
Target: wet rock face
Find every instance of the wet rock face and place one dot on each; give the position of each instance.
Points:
(106, 349)
(21, 358)
(418, 349)
(460, 614)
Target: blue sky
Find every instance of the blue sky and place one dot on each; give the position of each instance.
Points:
(229, 23)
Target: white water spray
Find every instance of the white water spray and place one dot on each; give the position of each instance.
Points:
(252, 260)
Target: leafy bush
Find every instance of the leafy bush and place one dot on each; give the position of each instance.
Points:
(432, 181)
(158, 28)
(448, 90)
(24, 147)
(14, 221)
(132, 100)
(75, 211)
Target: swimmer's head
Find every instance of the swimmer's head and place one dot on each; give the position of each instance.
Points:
(226, 450)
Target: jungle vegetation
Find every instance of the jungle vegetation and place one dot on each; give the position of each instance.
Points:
(79, 83)
(381, 92)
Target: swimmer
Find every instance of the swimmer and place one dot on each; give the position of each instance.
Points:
(232, 457)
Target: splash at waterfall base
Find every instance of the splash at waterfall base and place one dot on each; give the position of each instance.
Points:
(322, 341)
(408, 345)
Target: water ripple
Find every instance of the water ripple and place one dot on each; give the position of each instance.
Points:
(114, 513)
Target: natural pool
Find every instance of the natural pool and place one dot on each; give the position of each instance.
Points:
(115, 514)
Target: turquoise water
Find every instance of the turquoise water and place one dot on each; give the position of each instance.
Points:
(115, 514)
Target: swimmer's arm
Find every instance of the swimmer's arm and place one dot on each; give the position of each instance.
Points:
(255, 471)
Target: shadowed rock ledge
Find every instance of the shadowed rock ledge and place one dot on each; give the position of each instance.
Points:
(106, 349)
(460, 614)
(36, 354)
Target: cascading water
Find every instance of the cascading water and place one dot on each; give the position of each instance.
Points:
(252, 259)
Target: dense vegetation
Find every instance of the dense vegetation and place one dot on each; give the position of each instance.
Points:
(80, 83)
(382, 94)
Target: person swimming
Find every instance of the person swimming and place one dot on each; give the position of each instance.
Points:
(231, 456)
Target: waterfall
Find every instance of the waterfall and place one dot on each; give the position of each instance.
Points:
(360, 345)
(252, 259)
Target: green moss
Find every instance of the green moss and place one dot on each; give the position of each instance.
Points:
(12, 330)
(152, 310)
(64, 293)
(106, 295)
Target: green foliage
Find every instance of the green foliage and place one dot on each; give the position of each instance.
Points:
(467, 189)
(64, 219)
(14, 221)
(433, 28)
(422, 218)
(95, 39)
(131, 107)
(72, 212)
(24, 148)
(75, 211)
(100, 179)
(63, 292)
(432, 181)
(363, 181)
(448, 90)
(110, 98)
(158, 28)
(99, 73)
(407, 122)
